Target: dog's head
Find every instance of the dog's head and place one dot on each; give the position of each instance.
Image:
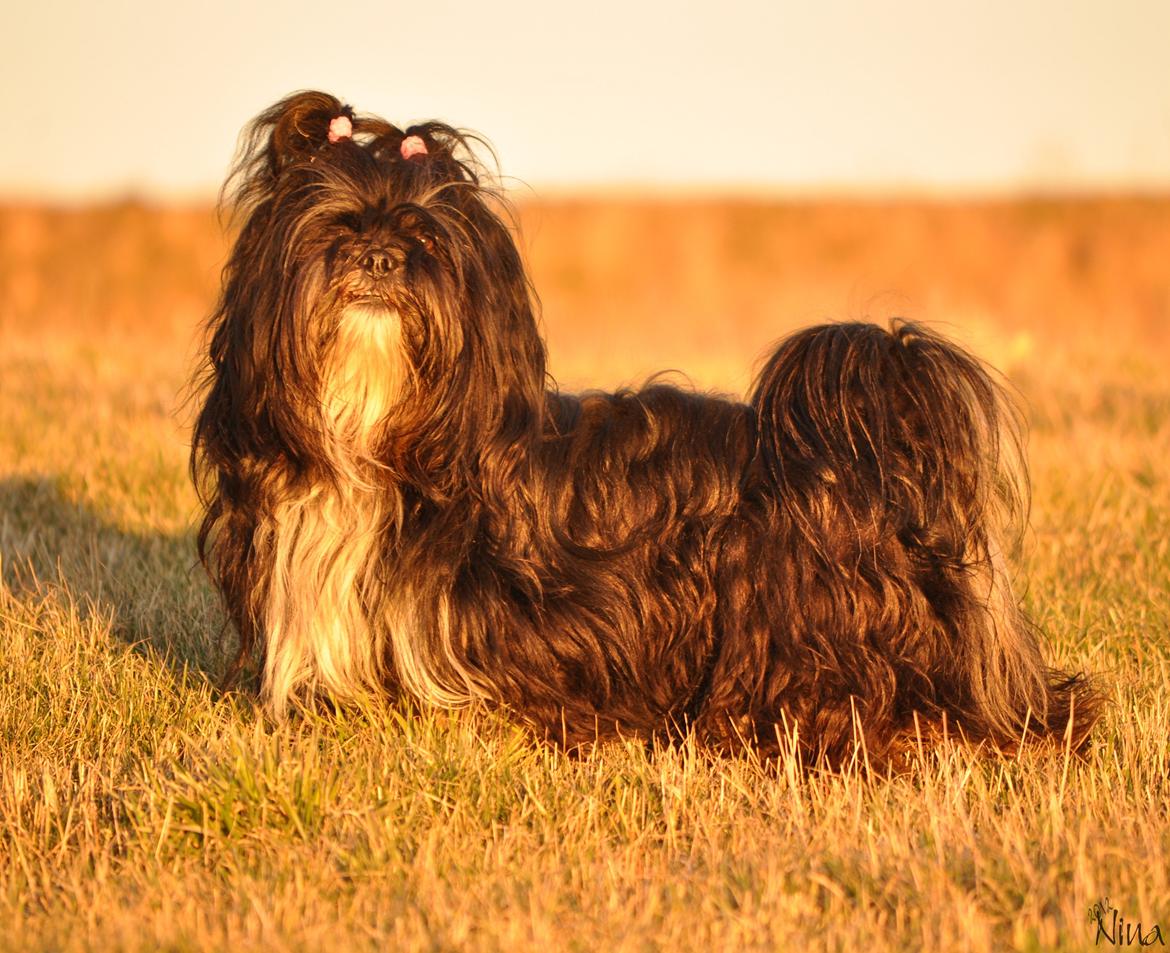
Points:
(374, 293)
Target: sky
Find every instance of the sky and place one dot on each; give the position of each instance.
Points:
(116, 98)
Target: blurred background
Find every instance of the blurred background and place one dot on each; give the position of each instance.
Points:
(693, 181)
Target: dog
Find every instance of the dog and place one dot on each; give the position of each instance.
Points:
(398, 501)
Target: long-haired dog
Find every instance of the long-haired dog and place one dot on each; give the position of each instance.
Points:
(397, 501)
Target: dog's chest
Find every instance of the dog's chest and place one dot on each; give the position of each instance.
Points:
(323, 548)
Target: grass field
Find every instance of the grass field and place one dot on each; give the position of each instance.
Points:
(142, 809)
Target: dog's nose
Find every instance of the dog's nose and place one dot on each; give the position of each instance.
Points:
(377, 263)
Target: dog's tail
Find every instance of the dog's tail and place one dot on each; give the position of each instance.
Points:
(896, 462)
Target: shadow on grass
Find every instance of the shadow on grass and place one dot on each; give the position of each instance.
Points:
(148, 584)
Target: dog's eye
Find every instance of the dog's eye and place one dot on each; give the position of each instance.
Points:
(425, 241)
(351, 222)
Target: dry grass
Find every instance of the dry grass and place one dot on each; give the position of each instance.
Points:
(139, 809)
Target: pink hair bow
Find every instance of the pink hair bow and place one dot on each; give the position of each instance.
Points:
(412, 146)
(340, 128)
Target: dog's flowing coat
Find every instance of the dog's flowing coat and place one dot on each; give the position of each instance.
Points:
(397, 502)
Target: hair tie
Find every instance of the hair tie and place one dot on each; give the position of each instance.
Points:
(340, 128)
(412, 146)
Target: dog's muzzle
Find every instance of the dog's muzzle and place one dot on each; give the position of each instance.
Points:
(378, 264)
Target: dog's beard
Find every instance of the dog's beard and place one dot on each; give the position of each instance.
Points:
(323, 539)
(364, 378)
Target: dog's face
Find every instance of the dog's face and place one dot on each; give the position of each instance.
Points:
(373, 284)
(375, 292)
(375, 256)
